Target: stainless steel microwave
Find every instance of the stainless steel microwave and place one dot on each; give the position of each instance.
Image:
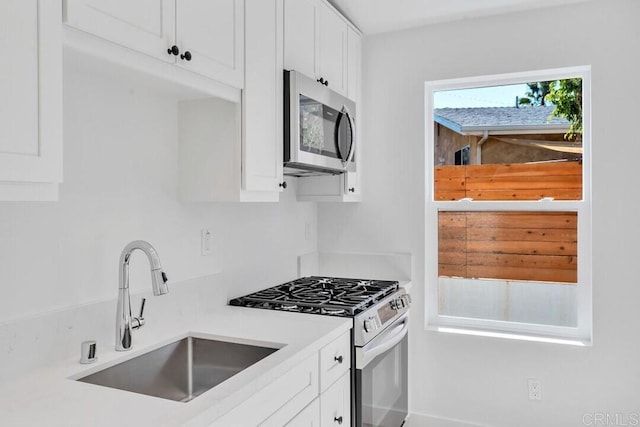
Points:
(319, 129)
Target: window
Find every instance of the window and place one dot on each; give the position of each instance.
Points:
(462, 156)
(508, 204)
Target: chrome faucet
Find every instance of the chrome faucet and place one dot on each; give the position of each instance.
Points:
(125, 323)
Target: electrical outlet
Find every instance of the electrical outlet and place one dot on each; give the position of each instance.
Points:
(535, 389)
(206, 242)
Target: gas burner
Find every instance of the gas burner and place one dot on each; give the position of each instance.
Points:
(321, 295)
(332, 311)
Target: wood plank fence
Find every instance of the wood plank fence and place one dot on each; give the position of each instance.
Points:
(537, 246)
(522, 181)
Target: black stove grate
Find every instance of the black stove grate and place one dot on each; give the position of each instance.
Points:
(334, 296)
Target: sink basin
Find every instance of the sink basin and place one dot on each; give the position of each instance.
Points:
(181, 370)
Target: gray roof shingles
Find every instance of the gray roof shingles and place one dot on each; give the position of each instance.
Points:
(493, 117)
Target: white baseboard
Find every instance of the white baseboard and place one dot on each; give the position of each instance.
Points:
(420, 420)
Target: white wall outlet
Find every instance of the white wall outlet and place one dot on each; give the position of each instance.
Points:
(206, 242)
(535, 389)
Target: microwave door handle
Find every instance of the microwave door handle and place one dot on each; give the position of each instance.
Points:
(345, 162)
(391, 338)
(353, 138)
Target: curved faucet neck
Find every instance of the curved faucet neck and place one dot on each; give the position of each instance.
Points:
(125, 323)
(125, 258)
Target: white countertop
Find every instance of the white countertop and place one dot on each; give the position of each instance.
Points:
(49, 397)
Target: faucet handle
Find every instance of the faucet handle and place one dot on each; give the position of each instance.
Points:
(138, 322)
(144, 300)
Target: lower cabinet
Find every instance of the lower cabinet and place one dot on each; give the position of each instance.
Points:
(278, 402)
(308, 417)
(315, 393)
(335, 403)
(332, 408)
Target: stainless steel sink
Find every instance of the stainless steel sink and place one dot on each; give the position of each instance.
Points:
(181, 370)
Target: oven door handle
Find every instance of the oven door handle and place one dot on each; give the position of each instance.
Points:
(389, 340)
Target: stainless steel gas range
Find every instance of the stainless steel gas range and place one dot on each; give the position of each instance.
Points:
(380, 310)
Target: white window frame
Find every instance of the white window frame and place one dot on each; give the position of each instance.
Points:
(582, 333)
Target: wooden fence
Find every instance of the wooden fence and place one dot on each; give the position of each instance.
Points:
(523, 181)
(538, 246)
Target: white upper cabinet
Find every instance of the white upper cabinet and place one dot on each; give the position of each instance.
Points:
(354, 64)
(207, 34)
(233, 151)
(333, 50)
(301, 33)
(262, 99)
(319, 43)
(147, 26)
(315, 40)
(31, 101)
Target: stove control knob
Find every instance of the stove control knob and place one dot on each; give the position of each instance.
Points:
(406, 299)
(370, 324)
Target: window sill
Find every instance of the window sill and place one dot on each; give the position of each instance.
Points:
(510, 336)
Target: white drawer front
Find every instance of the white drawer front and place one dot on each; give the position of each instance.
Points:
(335, 360)
(309, 417)
(287, 396)
(335, 404)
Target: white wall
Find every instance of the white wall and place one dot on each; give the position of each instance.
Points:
(120, 180)
(484, 380)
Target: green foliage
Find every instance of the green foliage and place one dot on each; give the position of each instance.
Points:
(567, 97)
(537, 93)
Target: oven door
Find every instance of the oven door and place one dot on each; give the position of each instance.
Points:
(381, 389)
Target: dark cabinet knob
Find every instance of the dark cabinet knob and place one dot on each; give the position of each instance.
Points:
(186, 56)
(352, 190)
(338, 420)
(283, 185)
(320, 80)
(338, 359)
(326, 82)
(173, 50)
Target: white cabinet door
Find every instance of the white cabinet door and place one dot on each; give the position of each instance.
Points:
(262, 97)
(212, 32)
(351, 184)
(280, 401)
(335, 404)
(354, 55)
(300, 36)
(308, 417)
(147, 26)
(335, 360)
(31, 88)
(333, 50)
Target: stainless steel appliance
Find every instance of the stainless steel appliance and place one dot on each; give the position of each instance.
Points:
(319, 130)
(380, 313)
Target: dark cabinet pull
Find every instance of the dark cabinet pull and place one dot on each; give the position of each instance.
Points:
(186, 56)
(326, 82)
(173, 50)
(320, 80)
(352, 190)
(338, 359)
(338, 420)
(283, 185)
